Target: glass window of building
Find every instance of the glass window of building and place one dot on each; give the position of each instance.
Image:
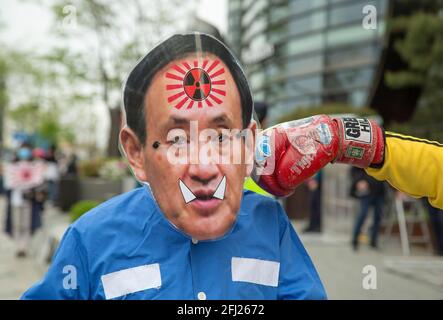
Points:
(247, 3)
(296, 66)
(278, 32)
(360, 54)
(298, 6)
(253, 11)
(345, 79)
(282, 107)
(355, 97)
(278, 14)
(259, 96)
(304, 86)
(350, 13)
(300, 45)
(234, 5)
(358, 97)
(295, 88)
(349, 34)
(309, 22)
(257, 26)
(257, 79)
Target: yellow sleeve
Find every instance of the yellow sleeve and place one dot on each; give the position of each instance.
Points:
(414, 166)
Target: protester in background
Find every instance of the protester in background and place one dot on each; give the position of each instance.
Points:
(314, 186)
(371, 194)
(52, 174)
(38, 195)
(25, 179)
(2, 190)
(21, 208)
(8, 209)
(436, 220)
(72, 165)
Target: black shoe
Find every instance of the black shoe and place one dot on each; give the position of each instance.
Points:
(21, 254)
(354, 245)
(312, 230)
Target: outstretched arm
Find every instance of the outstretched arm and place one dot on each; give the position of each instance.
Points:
(289, 153)
(414, 166)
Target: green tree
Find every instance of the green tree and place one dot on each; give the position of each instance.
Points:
(3, 97)
(35, 106)
(35, 91)
(422, 49)
(31, 118)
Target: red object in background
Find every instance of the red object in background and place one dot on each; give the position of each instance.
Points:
(24, 175)
(39, 153)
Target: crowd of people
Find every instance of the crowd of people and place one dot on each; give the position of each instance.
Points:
(29, 183)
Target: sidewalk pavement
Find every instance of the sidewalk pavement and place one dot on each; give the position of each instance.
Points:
(18, 274)
(416, 277)
(341, 269)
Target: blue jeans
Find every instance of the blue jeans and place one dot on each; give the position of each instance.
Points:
(436, 219)
(365, 204)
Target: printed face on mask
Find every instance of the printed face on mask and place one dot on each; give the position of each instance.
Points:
(189, 97)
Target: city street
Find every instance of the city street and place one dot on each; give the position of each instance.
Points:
(340, 268)
(18, 274)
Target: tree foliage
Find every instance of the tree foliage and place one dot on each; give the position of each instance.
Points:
(422, 49)
(115, 34)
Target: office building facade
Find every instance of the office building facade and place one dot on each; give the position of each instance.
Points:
(300, 53)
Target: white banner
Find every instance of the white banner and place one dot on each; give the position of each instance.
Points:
(23, 175)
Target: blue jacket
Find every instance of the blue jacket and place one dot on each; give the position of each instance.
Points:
(126, 249)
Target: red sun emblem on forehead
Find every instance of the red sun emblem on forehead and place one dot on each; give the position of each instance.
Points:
(196, 84)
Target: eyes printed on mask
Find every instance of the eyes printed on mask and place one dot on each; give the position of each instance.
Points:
(199, 84)
(179, 138)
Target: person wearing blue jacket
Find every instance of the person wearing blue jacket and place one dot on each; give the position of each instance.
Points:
(190, 231)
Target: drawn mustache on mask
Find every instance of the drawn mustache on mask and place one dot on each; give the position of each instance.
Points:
(189, 196)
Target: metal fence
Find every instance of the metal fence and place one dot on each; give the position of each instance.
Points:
(339, 209)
